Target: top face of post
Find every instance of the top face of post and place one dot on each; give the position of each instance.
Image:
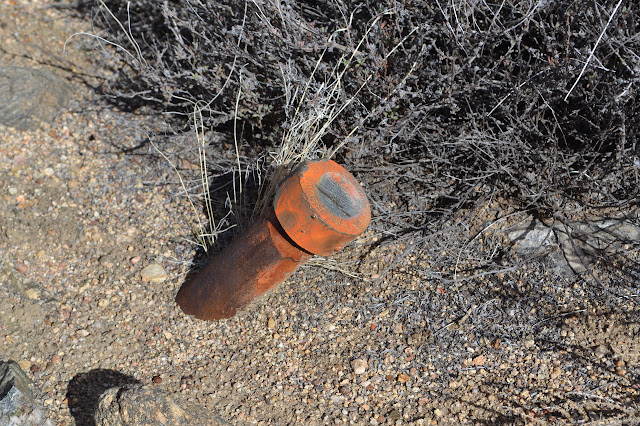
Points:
(322, 207)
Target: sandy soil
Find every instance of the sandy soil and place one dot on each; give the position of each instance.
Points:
(86, 204)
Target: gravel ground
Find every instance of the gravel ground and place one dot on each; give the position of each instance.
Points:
(86, 205)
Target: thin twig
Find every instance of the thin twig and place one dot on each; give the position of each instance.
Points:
(586, 64)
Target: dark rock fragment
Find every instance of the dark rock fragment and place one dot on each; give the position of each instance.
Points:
(17, 406)
(29, 96)
(139, 405)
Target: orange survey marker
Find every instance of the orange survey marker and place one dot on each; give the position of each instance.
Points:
(317, 210)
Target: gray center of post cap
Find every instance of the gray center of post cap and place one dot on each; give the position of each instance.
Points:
(331, 193)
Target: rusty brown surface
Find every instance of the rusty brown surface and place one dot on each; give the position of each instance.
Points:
(257, 261)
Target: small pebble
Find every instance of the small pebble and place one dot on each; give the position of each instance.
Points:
(19, 160)
(21, 268)
(403, 378)
(271, 323)
(156, 380)
(395, 415)
(601, 351)
(33, 293)
(154, 273)
(25, 364)
(359, 366)
(479, 360)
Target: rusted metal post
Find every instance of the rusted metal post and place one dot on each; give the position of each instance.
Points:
(318, 210)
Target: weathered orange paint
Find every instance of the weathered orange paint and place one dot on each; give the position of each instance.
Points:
(322, 207)
(317, 210)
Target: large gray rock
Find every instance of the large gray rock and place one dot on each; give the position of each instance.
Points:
(574, 246)
(17, 407)
(29, 96)
(135, 405)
